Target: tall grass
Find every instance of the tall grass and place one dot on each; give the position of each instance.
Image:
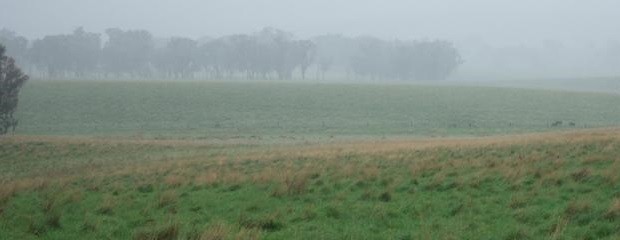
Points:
(547, 186)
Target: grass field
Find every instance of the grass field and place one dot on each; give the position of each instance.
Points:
(534, 186)
(190, 160)
(304, 111)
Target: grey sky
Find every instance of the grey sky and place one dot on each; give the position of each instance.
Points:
(494, 21)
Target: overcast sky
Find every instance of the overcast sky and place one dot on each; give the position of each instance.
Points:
(494, 21)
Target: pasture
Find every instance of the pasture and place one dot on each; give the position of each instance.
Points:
(535, 186)
(242, 160)
(269, 112)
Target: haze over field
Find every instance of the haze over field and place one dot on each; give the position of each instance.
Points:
(497, 39)
(315, 119)
(503, 21)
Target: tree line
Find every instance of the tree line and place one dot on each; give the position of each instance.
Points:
(267, 54)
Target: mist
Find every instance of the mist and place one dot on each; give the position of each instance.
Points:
(495, 39)
(313, 119)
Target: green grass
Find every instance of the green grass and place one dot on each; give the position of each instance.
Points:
(545, 187)
(304, 111)
(190, 160)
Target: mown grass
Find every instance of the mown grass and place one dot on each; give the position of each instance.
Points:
(285, 112)
(537, 186)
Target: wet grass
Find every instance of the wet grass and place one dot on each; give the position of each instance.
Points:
(537, 186)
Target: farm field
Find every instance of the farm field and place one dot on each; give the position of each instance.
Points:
(268, 160)
(530, 186)
(277, 112)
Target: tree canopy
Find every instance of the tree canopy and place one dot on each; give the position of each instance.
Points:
(11, 81)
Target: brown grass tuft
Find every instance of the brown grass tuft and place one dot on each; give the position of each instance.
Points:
(577, 207)
(370, 172)
(613, 213)
(49, 203)
(174, 181)
(270, 222)
(75, 196)
(107, 206)
(216, 231)
(7, 191)
(595, 159)
(233, 177)
(581, 175)
(518, 201)
(167, 198)
(557, 230)
(424, 166)
(248, 234)
(209, 178)
(292, 183)
(513, 174)
(89, 225)
(611, 174)
(551, 177)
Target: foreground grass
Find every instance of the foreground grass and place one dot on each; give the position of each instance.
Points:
(543, 186)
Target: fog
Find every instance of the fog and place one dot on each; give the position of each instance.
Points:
(496, 39)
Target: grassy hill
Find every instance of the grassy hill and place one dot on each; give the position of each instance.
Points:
(534, 186)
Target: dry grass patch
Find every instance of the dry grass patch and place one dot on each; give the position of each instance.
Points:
(581, 175)
(265, 175)
(7, 191)
(292, 183)
(74, 196)
(248, 234)
(234, 177)
(596, 159)
(424, 166)
(513, 174)
(216, 231)
(613, 213)
(370, 172)
(550, 177)
(270, 222)
(209, 178)
(174, 181)
(577, 207)
(612, 173)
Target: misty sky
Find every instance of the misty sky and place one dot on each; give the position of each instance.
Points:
(493, 21)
